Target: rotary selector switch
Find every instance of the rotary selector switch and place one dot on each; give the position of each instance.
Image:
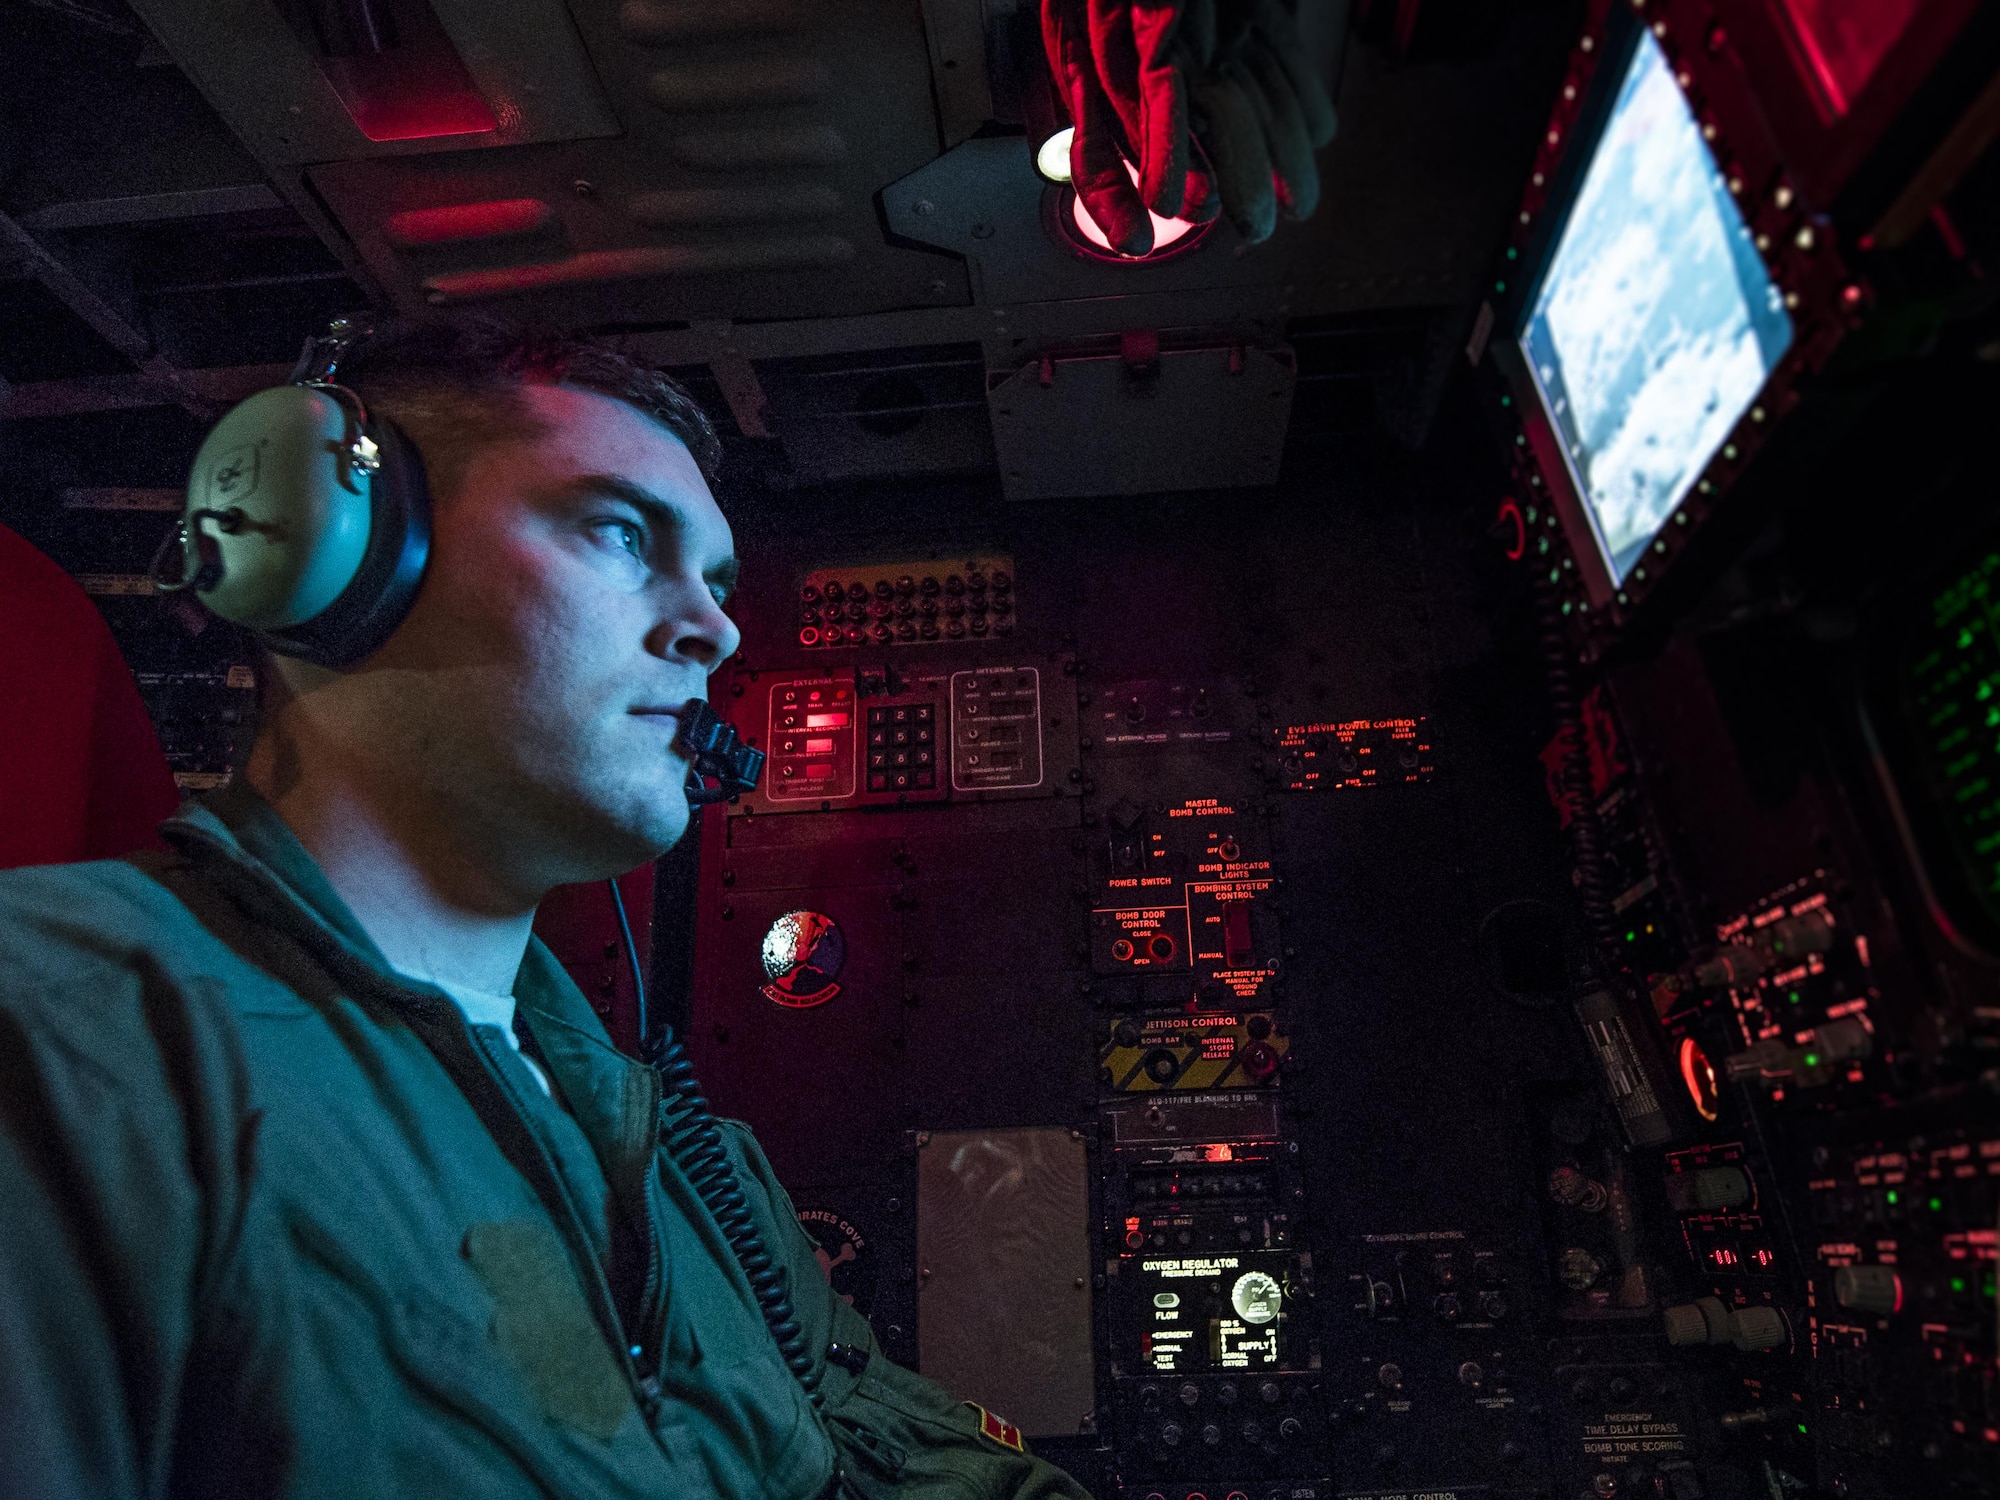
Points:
(1868, 1289)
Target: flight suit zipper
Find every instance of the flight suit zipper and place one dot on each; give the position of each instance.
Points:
(571, 1224)
(652, 1312)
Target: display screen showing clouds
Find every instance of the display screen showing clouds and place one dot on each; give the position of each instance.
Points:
(1656, 323)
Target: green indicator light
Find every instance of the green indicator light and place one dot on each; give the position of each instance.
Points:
(1892, 1195)
(1964, 639)
(1631, 937)
(1499, 286)
(1512, 253)
(1506, 400)
(1958, 1283)
(1812, 1059)
(1937, 1205)
(1802, 1428)
(1793, 996)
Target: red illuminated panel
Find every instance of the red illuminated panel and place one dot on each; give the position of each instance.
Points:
(455, 222)
(399, 76)
(825, 721)
(1844, 42)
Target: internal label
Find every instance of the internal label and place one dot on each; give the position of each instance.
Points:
(996, 728)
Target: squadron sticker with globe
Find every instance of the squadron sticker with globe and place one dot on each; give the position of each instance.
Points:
(803, 953)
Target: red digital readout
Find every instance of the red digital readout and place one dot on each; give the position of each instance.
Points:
(826, 721)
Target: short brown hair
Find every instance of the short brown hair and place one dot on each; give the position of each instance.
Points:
(453, 383)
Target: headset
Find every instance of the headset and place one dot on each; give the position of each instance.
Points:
(308, 522)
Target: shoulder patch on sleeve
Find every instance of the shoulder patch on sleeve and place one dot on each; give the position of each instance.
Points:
(998, 1429)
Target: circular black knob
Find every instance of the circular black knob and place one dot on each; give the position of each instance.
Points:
(1211, 1436)
(1189, 1393)
(1492, 1306)
(1172, 1434)
(1270, 1393)
(1290, 1428)
(1446, 1305)
(1391, 1376)
(1135, 712)
(1225, 1394)
(1149, 1397)
(1162, 1066)
(1253, 1432)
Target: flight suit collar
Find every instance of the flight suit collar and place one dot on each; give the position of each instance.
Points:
(236, 835)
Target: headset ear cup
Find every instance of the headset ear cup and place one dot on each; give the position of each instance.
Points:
(366, 613)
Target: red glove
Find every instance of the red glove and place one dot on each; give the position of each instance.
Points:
(1134, 43)
(1097, 150)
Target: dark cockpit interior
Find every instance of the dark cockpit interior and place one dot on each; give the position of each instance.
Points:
(1376, 870)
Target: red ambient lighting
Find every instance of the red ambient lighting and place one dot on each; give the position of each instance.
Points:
(1843, 43)
(1698, 1073)
(501, 219)
(398, 73)
(1510, 515)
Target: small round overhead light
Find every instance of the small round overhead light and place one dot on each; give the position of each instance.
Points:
(1052, 156)
(1166, 232)
(1070, 223)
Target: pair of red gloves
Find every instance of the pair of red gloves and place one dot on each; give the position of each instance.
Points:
(1187, 108)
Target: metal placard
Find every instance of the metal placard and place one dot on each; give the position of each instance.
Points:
(1003, 1273)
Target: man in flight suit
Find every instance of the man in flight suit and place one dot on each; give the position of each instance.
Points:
(318, 1176)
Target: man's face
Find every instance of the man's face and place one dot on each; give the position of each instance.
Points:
(572, 607)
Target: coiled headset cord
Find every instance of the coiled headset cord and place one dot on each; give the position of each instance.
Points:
(694, 1140)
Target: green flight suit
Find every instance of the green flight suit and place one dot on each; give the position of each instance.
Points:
(274, 1220)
